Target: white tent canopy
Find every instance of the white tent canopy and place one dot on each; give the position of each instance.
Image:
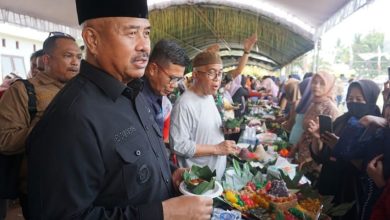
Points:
(301, 22)
(309, 14)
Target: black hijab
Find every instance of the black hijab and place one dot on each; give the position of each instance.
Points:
(370, 91)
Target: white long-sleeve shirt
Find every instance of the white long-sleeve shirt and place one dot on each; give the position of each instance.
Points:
(196, 120)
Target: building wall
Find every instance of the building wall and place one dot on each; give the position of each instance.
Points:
(29, 41)
(25, 49)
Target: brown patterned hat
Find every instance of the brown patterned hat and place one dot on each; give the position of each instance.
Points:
(209, 56)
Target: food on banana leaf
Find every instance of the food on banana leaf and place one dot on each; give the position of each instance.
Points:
(233, 123)
(199, 179)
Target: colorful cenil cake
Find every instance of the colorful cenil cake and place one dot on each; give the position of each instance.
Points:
(276, 193)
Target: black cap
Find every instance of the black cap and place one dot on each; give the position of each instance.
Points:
(89, 9)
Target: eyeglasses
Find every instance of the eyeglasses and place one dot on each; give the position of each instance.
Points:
(172, 79)
(213, 74)
(60, 34)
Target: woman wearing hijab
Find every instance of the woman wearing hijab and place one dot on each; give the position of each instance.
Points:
(304, 103)
(293, 96)
(338, 177)
(323, 103)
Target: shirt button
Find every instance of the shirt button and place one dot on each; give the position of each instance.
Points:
(167, 180)
(147, 128)
(138, 152)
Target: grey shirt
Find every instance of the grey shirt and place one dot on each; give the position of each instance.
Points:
(195, 120)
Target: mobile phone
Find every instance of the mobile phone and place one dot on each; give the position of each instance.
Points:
(325, 124)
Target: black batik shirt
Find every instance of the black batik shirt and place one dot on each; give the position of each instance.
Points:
(97, 154)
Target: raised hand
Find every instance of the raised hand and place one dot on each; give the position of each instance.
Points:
(250, 42)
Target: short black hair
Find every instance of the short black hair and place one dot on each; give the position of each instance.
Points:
(307, 75)
(37, 54)
(50, 43)
(169, 51)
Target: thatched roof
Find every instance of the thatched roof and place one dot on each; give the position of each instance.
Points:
(197, 26)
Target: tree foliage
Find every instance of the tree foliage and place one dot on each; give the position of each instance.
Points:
(362, 55)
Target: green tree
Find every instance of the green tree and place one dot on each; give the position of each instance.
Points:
(364, 45)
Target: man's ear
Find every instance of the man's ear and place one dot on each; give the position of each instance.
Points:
(152, 69)
(91, 39)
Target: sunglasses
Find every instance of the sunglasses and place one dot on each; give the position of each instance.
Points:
(60, 34)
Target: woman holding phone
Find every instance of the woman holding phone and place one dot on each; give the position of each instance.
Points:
(338, 177)
(323, 103)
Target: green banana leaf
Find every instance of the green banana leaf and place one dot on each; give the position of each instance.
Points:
(205, 174)
(233, 123)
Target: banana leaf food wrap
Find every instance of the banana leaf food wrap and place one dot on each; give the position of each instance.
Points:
(233, 123)
(199, 180)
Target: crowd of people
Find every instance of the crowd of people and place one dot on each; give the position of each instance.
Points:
(102, 137)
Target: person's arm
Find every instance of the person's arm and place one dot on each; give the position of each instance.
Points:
(14, 119)
(223, 148)
(248, 45)
(373, 121)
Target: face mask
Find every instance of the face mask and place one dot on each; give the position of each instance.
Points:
(359, 109)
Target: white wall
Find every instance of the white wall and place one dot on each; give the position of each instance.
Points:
(26, 37)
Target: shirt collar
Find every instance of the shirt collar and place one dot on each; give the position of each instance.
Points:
(111, 86)
(148, 91)
(46, 79)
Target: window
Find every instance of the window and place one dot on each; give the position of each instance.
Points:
(3, 42)
(17, 44)
(13, 64)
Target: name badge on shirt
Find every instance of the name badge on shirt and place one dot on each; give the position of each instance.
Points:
(123, 135)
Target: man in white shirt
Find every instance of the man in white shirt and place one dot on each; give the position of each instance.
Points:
(195, 132)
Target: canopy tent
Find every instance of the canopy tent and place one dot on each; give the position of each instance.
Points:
(286, 28)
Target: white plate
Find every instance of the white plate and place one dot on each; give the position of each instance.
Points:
(242, 145)
(212, 193)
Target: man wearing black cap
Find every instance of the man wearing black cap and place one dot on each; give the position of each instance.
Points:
(98, 152)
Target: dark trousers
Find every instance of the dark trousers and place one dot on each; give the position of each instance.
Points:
(3, 209)
(24, 204)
